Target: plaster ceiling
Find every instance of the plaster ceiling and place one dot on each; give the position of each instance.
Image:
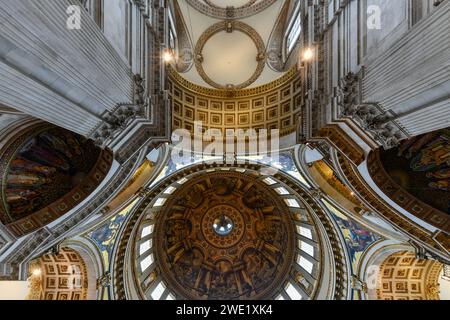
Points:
(230, 58)
(236, 53)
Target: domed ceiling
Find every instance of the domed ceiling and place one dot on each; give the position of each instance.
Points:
(230, 40)
(225, 236)
(421, 166)
(209, 232)
(43, 165)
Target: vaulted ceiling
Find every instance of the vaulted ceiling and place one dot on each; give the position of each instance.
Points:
(233, 56)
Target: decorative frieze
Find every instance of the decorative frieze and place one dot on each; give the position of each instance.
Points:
(250, 8)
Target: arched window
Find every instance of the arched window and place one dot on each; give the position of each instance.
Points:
(172, 33)
(293, 31)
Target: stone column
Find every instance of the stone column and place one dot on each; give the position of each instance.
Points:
(410, 80)
(380, 70)
(64, 75)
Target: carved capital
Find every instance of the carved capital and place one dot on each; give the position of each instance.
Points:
(371, 117)
(358, 284)
(104, 281)
(117, 120)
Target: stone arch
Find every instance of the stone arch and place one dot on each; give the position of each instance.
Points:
(391, 271)
(45, 172)
(94, 264)
(61, 276)
(404, 277)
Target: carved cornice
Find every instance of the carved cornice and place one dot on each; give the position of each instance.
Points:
(252, 7)
(230, 26)
(116, 121)
(343, 142)
(226, 93)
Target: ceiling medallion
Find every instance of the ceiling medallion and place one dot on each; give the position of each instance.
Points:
(250, 8)
(225, 235)
(230, 26)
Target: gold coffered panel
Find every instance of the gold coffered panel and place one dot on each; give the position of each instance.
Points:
(276, 105)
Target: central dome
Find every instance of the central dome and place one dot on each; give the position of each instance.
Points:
(225, 235)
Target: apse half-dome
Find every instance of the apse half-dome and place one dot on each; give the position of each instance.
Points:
(46, 171)
(416, 175)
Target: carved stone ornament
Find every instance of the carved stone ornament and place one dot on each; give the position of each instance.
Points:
(185, 59)
(104, 281)
(276, 42)
(225, 236)
(115, 121)
(371, 117)
(250, 8)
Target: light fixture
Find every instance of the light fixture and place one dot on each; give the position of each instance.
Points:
(167, 56)
(36, 272)
(307, 54)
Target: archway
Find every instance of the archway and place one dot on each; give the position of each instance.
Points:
(402, 276)
(61, 276)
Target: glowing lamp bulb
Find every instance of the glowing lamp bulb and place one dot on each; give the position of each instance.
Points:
(167, 57)
(36, 272)
(308, 54)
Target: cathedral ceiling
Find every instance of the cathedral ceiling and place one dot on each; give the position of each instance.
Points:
(45, 171)
(211, 232)
(225, 236)
(230, 55)
(416, 174)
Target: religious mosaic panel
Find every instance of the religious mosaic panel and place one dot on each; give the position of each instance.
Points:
(45, 172)
(421, 165)
(105, 235)
(357, 237)
(416, 176)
